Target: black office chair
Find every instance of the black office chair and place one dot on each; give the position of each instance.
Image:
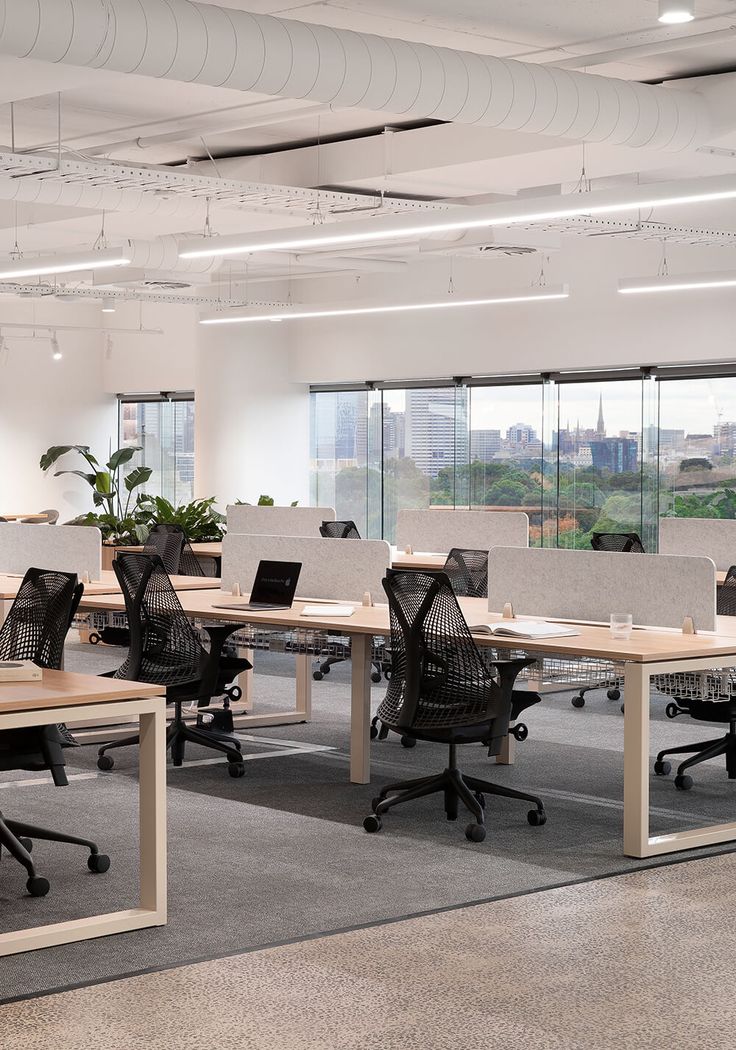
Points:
(467, 571)
(441, 690)
(171, 544)
(339, 530)
(719, 707)
(166, 650)
(35, 629)
(617, 542)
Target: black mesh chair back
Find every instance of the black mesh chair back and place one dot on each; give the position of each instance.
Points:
(339, 530)
(438, 678)
(167, 541)
(617, 542)
(467, 571)
(172, 546)
(726, 594)
(39, 618)
(164, 647)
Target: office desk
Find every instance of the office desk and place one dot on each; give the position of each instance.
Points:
(646, 654)
(202, 550)
(418, 560)
(107, 584)
(62, 696)
(28, 518)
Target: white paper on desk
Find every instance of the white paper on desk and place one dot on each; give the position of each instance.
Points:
(328, 610)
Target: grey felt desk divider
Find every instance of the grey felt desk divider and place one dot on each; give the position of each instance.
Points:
(277, 521)
(713, 538)
(67, 548)
(335, 569)
(658, 590)
(440, 530)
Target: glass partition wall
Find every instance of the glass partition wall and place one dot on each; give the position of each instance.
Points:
(577, 453)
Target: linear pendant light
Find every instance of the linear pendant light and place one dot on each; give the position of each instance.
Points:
(528, 295)
(680, 282)
(507, 213)
(90, 260)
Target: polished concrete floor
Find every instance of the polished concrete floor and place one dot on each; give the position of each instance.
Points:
(643, 960)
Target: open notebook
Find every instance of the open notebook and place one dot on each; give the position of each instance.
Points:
(525, 629)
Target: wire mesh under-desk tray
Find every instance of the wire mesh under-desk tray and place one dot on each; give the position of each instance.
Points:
(715, 683)
(563, 671)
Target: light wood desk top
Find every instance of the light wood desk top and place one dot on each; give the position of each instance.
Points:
(68, 689)
(108, 584)
(418, 560)
(644, 645)
(28, 518)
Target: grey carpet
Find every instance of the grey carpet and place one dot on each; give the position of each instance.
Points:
(281, 853)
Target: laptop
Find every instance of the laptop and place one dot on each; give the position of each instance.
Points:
(274, 586)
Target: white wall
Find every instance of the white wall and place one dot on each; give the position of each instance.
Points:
(144, 364)
(45, 402)
(595, 327)
(252, 421)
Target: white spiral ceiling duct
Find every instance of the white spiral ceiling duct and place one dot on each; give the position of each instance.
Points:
(207, 44)
(85, 194)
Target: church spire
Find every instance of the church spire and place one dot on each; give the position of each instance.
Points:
(601, 428)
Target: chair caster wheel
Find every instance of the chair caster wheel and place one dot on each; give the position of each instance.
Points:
(235, 694)
(94, 639)
(38, 886)
(375, 802)
(683, 782)
(661, 769)
(536, 818)
(408, 741)
(236, 769)
(317, 676)
(372, 824)
(520, 732)
(376, 676)
(622, 709)
(98, 863)
(27, 844)
(325, 670)
(105, 762)
(614, 694)
(578, 701)
(480, 798)
(671, 710)
(475, 832)
(374, 732)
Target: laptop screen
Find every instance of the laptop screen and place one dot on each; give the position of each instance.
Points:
(275, 582)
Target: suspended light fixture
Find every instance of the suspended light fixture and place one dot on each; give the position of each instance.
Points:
(678, 282)
(89, 260)
(675, 12)
(507, 213)
(299, 313)
(56, 353)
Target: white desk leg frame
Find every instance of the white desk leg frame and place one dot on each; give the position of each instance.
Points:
(361, 648)
(152, 805)
(637, 767)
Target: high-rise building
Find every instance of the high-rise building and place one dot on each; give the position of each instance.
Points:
(431, 439)
(484, 444)
(618, 455)
(521, 434)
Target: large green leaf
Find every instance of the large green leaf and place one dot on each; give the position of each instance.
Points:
(123, 455)
(51, 455)
(89, 478)
(103, 483)
(137, 476)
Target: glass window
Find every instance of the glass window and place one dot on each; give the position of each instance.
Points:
(697, 448)
(506, 451)
(340, 469)
(599, 442)
(165, 430)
